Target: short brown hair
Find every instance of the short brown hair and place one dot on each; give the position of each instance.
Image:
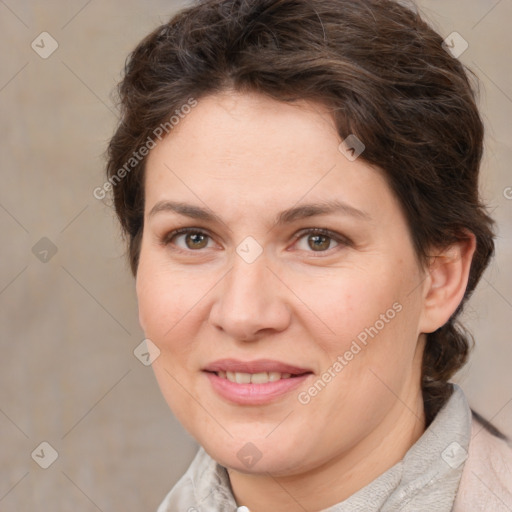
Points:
(385, 75)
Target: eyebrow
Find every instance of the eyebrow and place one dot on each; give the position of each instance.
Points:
(285, 217)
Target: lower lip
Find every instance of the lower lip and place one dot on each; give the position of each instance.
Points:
(254, 394)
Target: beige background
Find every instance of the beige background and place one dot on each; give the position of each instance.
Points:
(68, 327)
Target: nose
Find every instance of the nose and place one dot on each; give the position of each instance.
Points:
(251, 301)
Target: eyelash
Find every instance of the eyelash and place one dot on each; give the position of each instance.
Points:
(342, 241)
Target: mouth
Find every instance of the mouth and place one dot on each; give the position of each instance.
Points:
(253, 378)
(259, 371)
(254, 382)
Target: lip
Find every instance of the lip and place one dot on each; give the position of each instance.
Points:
(256, 366)
(254, 394)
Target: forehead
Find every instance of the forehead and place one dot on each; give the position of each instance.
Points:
(260, 154)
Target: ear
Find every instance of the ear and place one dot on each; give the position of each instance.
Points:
(446, 282)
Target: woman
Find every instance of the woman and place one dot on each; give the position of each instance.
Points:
(298, 183)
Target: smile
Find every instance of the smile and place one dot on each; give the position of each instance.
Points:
(252, 378)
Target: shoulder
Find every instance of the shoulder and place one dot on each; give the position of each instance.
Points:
(486, 482)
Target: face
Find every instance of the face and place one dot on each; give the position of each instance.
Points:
(314, 311)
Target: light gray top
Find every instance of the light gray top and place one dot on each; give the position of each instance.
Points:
(426, 479)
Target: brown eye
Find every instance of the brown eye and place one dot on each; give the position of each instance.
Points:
(196, 240)
(193, 238)
(321, 240)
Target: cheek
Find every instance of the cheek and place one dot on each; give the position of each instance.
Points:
(163, 297)
(171, 306)
(373, 320)
(354, 306)
(372, 360)
(168, 309)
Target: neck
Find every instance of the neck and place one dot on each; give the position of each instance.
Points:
(343, 475)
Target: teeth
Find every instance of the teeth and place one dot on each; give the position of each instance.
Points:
(273, 376)
(243, 378)
(260, 378)
(253, 378)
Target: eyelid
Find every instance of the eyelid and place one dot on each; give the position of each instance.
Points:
(337, 237)
(340, 239)
(166, 239)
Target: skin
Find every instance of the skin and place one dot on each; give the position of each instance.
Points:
(246, 158)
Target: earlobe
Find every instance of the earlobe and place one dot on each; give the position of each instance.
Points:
(447, 279)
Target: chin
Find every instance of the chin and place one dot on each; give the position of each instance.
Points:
(278, 456)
